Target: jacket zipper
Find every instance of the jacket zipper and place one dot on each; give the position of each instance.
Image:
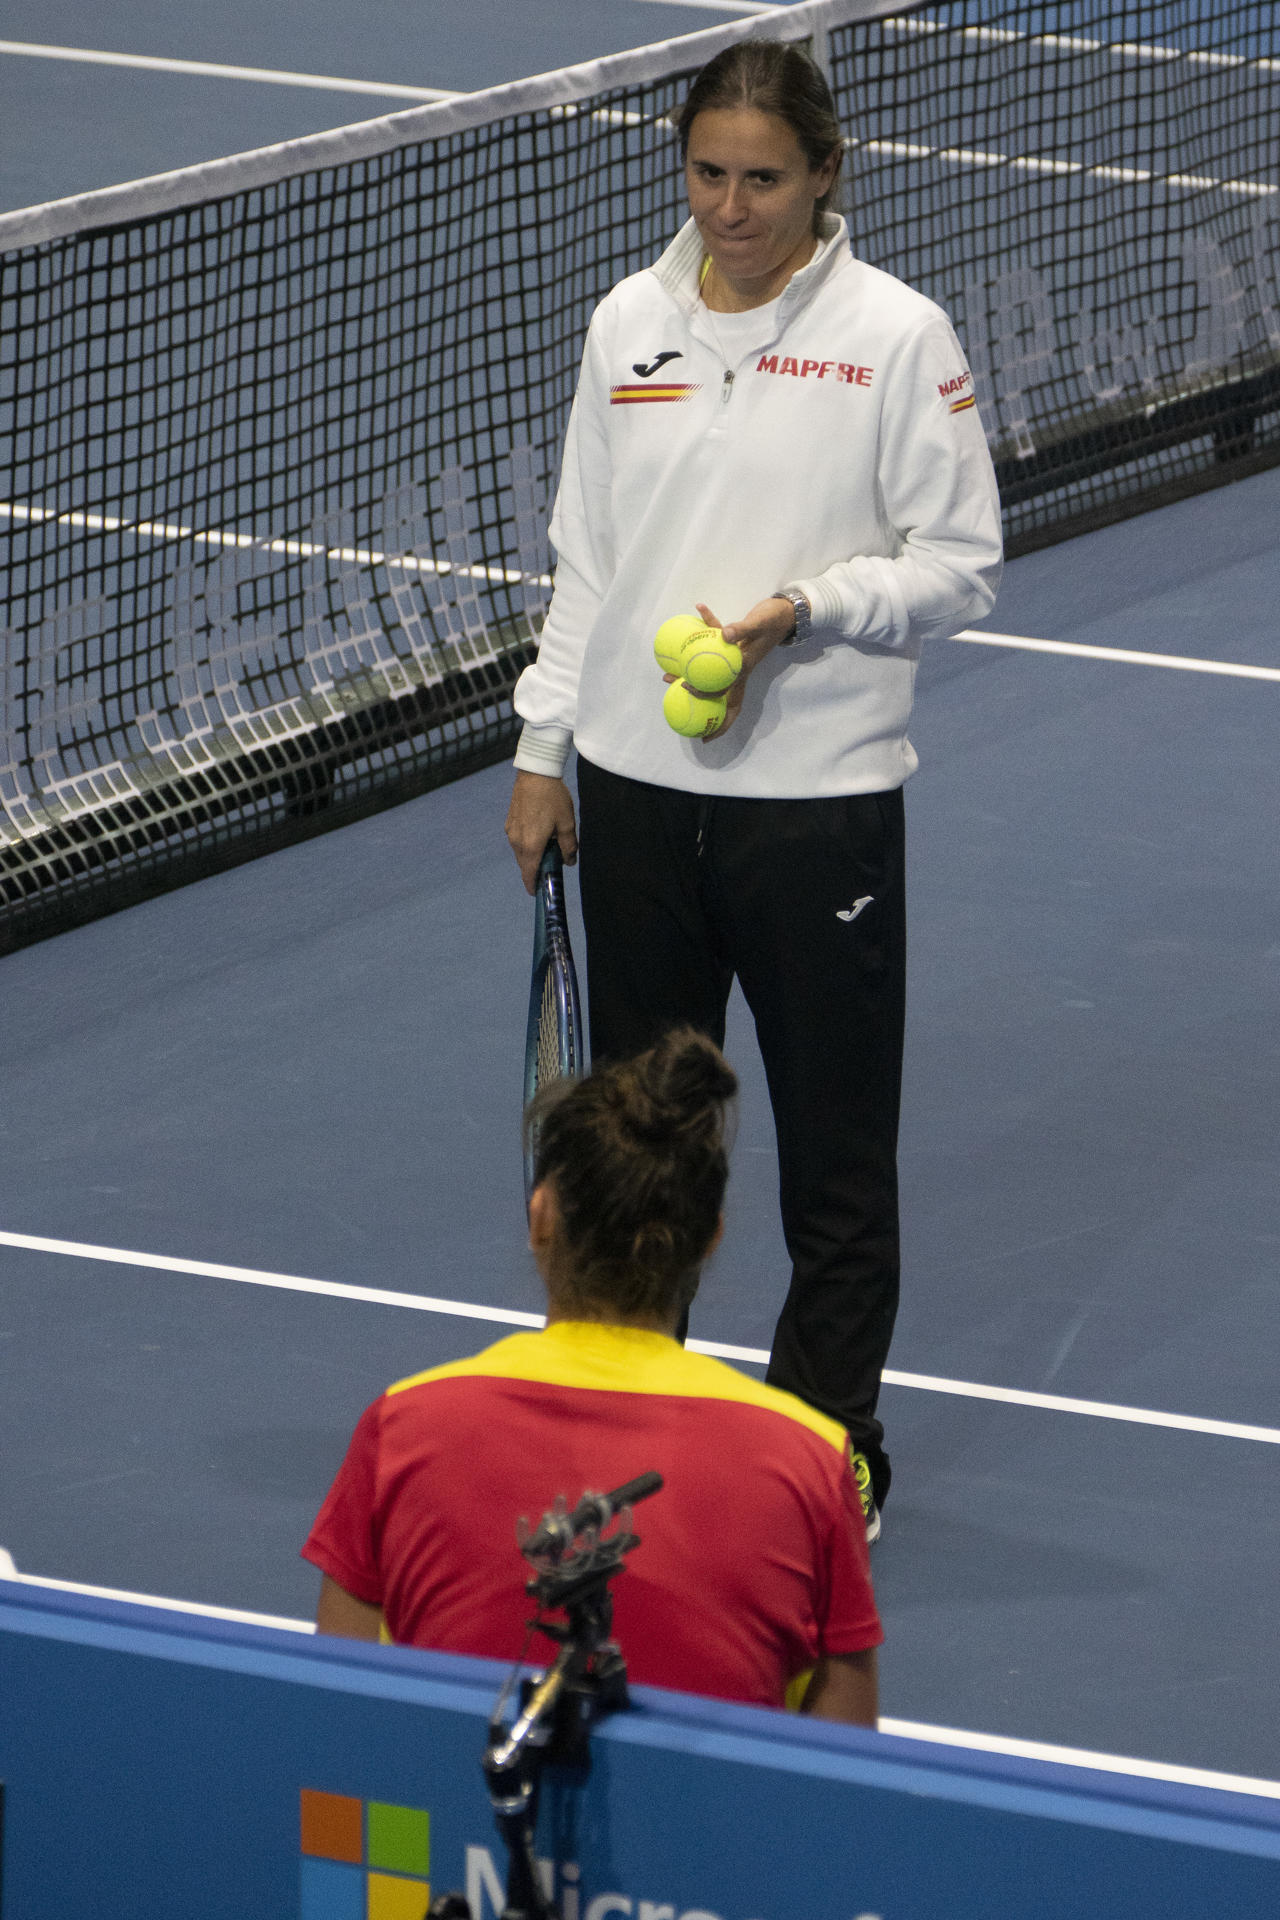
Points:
(726, 386)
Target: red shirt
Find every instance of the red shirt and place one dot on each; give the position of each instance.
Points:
(753, 1557)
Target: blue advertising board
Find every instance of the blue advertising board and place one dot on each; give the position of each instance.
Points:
(161, 1765)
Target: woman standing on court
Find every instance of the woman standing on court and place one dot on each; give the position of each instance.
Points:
(776, 433)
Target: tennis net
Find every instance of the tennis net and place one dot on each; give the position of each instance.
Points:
(277, 434)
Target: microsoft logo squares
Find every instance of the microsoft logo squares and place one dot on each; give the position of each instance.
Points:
(363, 1859)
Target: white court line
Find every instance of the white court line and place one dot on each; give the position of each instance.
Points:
(1081, 1757)
(510, 576)
(237, 1614)
(1125, 655)
(211, 70)
(1042, 163)
(413, 563)
(251, 542)
(1096, 1409)
(509, 1316)
(720, 6)
(286, 1282)
(900, 1729)
(1077, 43)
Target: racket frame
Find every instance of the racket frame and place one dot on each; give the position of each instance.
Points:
(552, 966)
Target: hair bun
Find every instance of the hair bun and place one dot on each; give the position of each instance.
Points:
(638, 1159)
(690, 1078)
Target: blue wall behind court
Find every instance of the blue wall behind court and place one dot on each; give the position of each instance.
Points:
(154, 1765)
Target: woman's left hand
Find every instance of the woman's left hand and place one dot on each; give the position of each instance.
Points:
(756, 634)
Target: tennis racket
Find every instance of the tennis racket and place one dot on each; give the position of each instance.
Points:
(553, 1039)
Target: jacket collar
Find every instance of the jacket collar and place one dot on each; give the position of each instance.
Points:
(679, 269)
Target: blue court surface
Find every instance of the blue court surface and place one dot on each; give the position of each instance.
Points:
(309, 1069)
(70, 125)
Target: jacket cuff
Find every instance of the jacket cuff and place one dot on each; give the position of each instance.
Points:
(826, 608)
(543, 750)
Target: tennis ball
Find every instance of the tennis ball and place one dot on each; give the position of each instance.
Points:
(692, 714)
(711, 663)
(673, 636)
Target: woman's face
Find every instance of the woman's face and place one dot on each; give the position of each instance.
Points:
(752, 192)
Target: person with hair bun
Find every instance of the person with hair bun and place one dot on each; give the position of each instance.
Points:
(783, 437)
(752, 1570)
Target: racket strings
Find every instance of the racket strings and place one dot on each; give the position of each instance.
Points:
(551, 1034)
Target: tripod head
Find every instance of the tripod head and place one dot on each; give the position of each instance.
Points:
(559, 1528)
(576, 1577)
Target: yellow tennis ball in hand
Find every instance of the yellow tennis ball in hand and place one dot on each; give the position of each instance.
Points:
(711, 663)
(673, 636)
(692, 714)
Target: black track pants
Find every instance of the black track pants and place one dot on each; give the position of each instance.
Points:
(803, 901)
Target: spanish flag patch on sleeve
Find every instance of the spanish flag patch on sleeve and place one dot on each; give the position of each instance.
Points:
(636, 396)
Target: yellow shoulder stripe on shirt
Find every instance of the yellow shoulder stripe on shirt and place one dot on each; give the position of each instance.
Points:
(586, 1354)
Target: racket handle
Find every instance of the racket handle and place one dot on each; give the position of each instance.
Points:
(551, 861)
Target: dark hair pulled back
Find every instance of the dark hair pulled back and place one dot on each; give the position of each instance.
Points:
(774, 78)
(637, 1157)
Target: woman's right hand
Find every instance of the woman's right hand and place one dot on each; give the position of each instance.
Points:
(756, 634)
(540, 807)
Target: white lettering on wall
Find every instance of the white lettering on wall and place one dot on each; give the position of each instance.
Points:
(218, 647)
(483, 1883)
(1115, 351)
(1221, 308)
(529, 509)
(1023, 350)
(74, 708)
(453, 596)
(1264, 256)
(343, 638)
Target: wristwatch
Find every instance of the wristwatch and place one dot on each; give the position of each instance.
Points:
(803, 612)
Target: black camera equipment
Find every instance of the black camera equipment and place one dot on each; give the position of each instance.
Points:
(573, 1564)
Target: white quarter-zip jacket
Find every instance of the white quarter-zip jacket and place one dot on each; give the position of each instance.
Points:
(840, 452)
